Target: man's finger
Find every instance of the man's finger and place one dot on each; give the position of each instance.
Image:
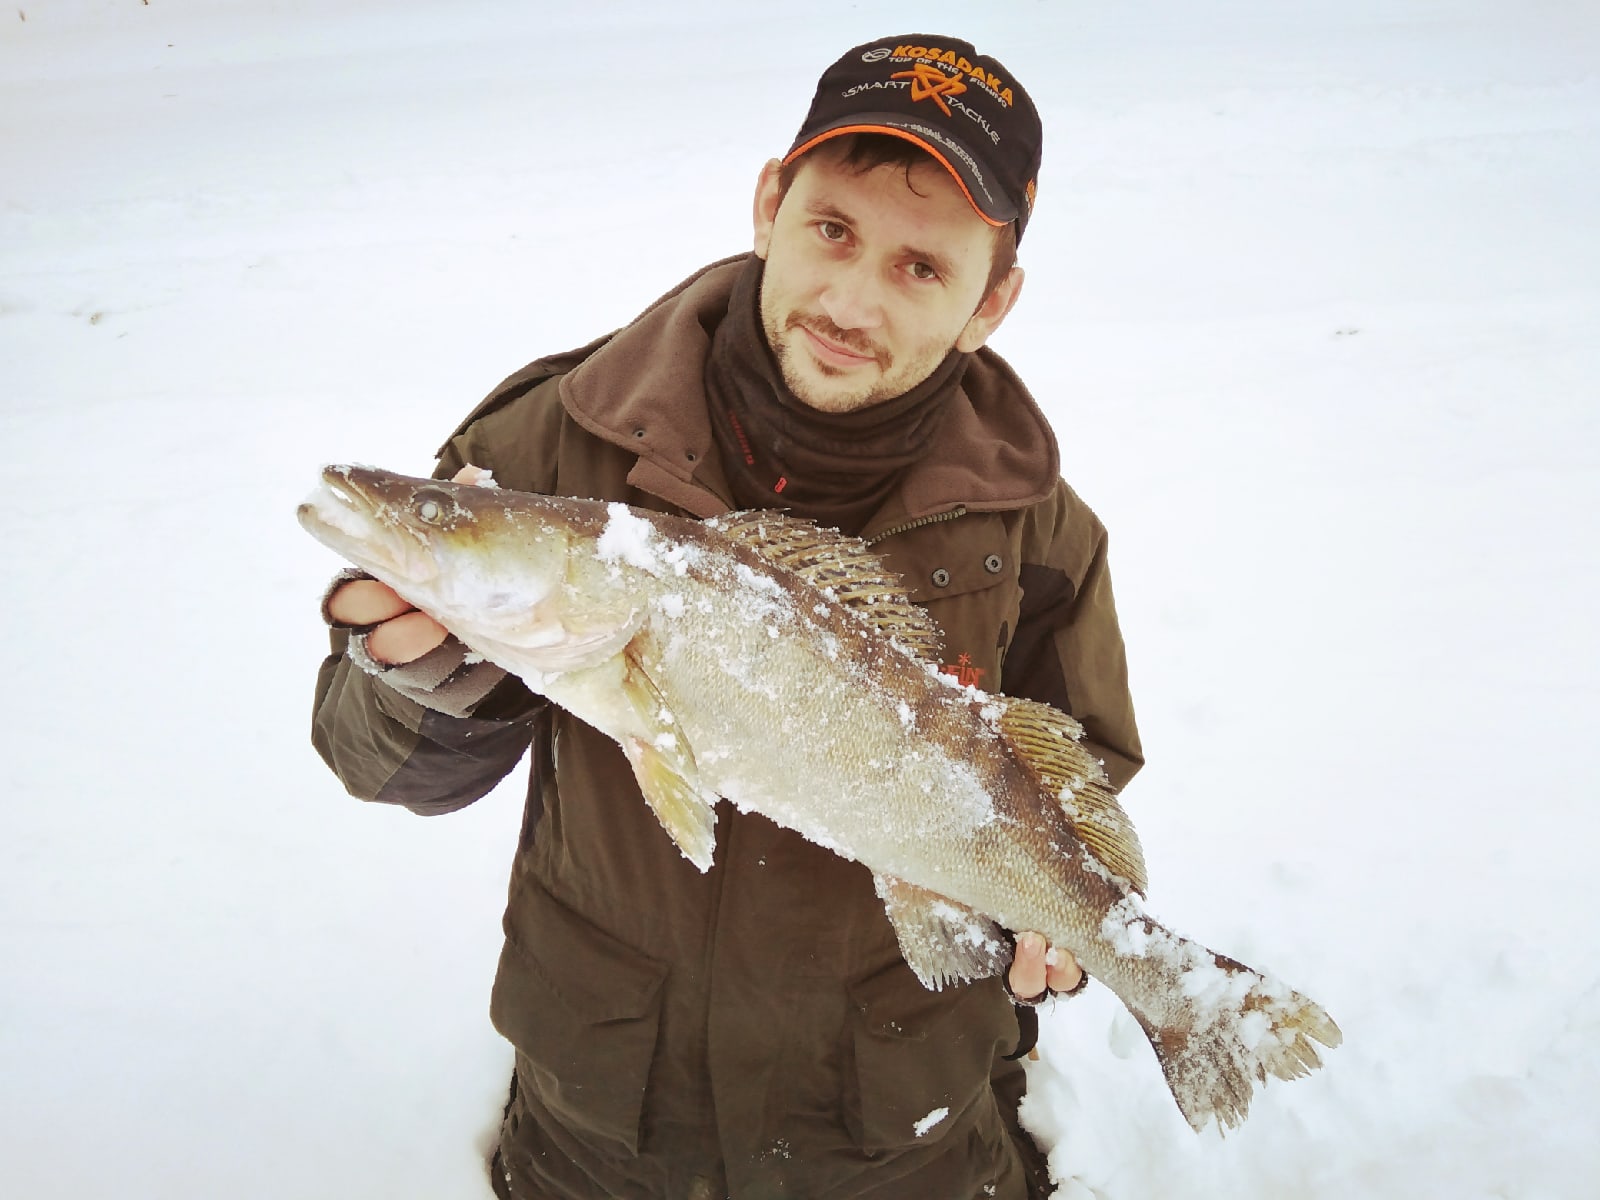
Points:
(1062, 971)
(1027, 973)
(405, 638)
(365, 602)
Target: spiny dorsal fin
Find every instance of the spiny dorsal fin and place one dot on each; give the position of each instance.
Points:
(841, 566)
(1051, 743)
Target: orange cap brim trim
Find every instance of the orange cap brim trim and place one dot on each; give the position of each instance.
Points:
(904, 137)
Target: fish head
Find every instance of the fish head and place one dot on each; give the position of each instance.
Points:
(495, 567)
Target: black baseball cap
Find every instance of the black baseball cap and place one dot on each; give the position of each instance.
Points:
(962, 107)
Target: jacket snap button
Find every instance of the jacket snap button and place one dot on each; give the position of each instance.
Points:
(638, 433)
(992, 564)
(941, 578)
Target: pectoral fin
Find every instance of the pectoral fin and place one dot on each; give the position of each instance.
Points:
(941, 940)
(561, 643)
(663, 764)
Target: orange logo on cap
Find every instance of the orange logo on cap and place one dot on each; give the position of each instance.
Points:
(928, 82)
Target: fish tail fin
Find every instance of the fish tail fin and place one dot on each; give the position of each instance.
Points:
(1226, 1028)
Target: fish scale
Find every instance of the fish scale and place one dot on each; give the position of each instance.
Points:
(691, 642)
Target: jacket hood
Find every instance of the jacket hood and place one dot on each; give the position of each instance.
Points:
(643, 388)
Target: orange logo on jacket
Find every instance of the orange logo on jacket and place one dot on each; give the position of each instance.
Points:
(965, 673)
(930, 83)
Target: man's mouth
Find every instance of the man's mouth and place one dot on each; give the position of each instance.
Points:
(835, 353)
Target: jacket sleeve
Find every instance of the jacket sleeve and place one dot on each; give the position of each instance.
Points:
(1068, 650)
(438, 733)
(385, 745)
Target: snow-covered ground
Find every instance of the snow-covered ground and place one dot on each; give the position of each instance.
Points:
(1313, 300)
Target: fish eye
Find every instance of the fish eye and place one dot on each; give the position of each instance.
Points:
(431, 506)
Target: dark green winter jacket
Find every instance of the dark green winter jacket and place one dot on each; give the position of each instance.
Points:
(751, 1032)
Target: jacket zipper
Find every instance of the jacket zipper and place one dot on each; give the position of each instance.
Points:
(959, 511)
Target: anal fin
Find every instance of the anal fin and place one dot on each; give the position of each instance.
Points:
(943, 941)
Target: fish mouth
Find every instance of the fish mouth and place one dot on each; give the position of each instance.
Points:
(355, 515)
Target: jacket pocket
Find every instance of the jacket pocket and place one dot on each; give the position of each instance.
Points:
(584, 1010)
(921, 1058)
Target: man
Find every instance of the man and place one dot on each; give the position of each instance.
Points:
(753, 1032)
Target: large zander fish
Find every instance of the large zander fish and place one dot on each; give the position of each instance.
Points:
(691, 642)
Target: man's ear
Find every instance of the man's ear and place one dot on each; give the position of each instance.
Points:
(768, 197)
(991, 312)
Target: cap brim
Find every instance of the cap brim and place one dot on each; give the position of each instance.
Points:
(965, 168)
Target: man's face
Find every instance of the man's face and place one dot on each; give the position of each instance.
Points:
(869, 283)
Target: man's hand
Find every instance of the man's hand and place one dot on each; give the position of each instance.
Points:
(400, 633)
(1038, 967)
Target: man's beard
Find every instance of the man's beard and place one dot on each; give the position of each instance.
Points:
(803, 387)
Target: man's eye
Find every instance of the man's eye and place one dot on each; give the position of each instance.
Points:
(921, 270)
(831, 230)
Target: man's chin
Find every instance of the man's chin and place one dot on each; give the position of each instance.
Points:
(826, 387)
(828, 391)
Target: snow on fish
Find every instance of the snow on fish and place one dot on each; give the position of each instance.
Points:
(689, 641)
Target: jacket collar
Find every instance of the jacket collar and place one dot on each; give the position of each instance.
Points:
(644, 389)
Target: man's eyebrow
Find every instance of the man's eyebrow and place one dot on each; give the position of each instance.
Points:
(827, 211)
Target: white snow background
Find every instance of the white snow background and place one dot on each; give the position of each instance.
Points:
(1313, 301)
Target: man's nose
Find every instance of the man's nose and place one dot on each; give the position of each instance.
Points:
(853, 298)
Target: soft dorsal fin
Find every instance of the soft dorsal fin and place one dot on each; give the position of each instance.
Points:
(1051, 743)
(841, 566)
